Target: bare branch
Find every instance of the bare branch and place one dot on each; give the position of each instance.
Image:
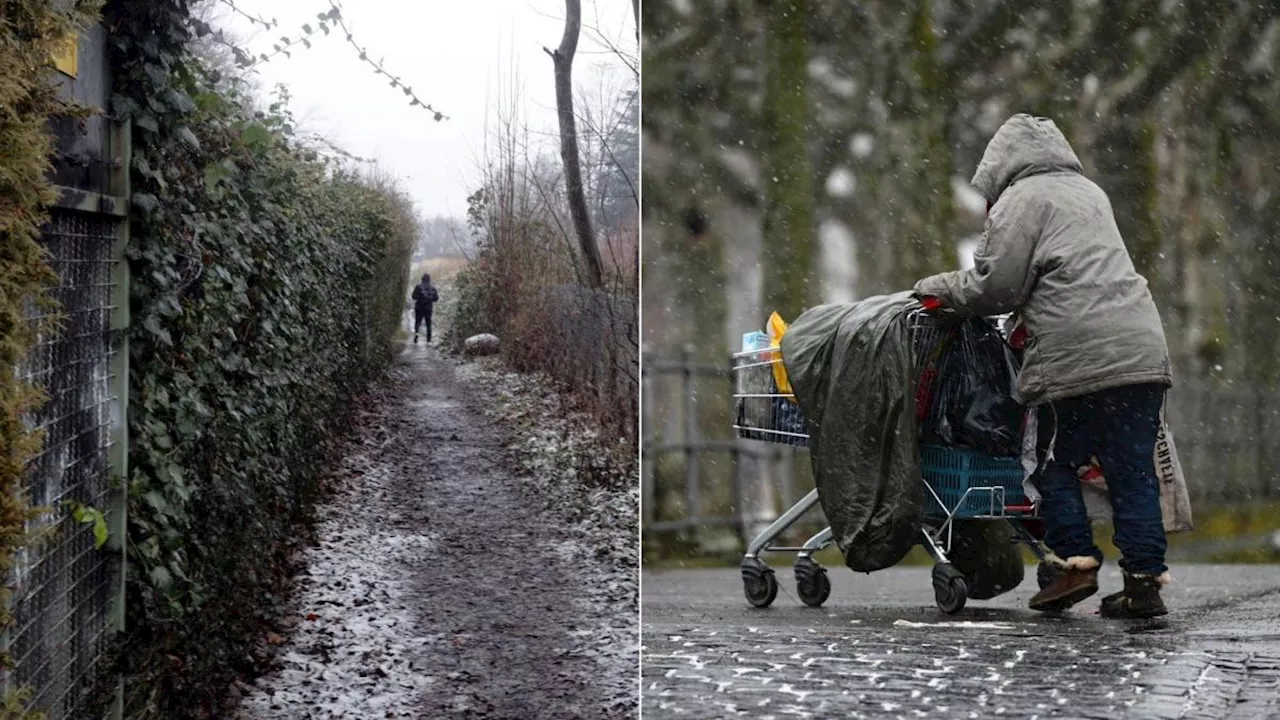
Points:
(562, 60)
(255, 19)
(603, 135)
(336, 15)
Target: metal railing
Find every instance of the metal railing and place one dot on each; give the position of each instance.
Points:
(698, 479)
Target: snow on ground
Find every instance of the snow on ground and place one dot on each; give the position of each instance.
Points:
(353, 652)
(558, 449)
(358, 646)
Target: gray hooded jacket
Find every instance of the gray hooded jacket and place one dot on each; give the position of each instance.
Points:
(1052, 254)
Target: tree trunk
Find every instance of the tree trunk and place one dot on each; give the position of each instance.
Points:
(788, 177)
(925, 236)
(562, 60)
(1126, 170)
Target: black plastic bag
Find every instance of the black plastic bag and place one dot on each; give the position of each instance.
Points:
(987, 555)
(973, 403)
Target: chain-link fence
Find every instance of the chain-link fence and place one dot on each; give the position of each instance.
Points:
(62, 583)
(67, 597)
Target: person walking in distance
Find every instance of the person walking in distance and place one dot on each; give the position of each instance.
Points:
(425, 296)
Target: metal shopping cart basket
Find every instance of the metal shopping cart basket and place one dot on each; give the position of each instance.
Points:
(961, 484)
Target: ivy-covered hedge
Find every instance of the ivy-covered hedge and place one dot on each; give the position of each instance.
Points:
(267, 289)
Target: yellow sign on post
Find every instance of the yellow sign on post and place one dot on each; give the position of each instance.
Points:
(67, 57)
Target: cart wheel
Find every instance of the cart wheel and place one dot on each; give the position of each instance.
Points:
(812, 583)
(1046, 574)
(758, 583)
(950, 590)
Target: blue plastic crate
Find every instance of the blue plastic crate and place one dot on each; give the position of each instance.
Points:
(952, 471)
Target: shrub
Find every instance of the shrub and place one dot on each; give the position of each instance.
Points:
(267, 289)
(524, 287)
(468, 308)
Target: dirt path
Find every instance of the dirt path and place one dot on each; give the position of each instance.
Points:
(449, 584)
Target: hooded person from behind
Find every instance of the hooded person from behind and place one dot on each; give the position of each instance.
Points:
(425, 296)
(1095, 363)
(1052, 254)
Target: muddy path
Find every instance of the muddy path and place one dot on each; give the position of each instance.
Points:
(498, 589)
(447, 584)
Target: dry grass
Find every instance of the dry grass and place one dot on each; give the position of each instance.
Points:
(442, 269)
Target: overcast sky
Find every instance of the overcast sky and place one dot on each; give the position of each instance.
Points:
(460, 56)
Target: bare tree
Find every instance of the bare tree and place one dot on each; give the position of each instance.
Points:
(562, 60)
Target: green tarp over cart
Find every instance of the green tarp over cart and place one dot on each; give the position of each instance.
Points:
(851, 369)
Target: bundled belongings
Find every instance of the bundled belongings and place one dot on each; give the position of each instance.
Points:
(1175, 501)
(855, 375)
(765, 409)
(850, 367)
(1037, 444)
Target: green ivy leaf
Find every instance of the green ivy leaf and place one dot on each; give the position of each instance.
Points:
(146, 202)
(180, 101)
(152, 325)
(88, 515)
(255, 135)
(185, 135)
(214, 174)
(156, 501)
(100, 532)
(161, 578)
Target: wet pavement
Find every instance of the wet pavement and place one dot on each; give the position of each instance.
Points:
(880, 648)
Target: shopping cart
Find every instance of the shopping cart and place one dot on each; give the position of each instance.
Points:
(960, 484)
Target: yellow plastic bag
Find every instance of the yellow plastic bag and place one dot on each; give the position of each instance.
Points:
(778, 328)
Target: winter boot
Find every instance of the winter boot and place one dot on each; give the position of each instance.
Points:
(415, 338)
(1077, 581)
(1139, 599)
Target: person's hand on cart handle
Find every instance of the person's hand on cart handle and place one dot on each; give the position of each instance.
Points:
(930, 303)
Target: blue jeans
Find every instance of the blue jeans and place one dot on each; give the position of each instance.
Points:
(1119, 426)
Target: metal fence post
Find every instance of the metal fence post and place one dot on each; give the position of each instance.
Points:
(691, 434)
(648, 456)
(737, 488)
(119, 452)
